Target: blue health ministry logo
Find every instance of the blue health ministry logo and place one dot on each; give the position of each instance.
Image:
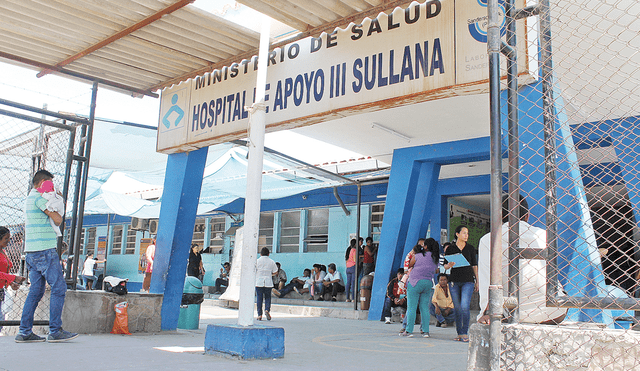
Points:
(478, 26)
(173, 116)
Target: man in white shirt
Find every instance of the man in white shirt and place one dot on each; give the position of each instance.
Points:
(332, 283)
(532, 306)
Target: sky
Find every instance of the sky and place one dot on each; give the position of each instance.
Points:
(62, 94)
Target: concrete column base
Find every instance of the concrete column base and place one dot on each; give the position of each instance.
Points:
(566, 347)
(254, 342)
(91, 312)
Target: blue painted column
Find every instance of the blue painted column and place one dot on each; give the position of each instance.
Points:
(579, 266)
(421, 210)
(626, 142)
(412, 186)
(182, 184)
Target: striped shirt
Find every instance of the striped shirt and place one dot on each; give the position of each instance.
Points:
(38, 233)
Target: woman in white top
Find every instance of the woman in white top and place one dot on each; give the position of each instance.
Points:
(265, 270)
(87, 272)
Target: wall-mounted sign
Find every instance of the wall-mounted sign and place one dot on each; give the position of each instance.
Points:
(427, 51)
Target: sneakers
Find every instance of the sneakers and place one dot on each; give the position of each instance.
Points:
(333, 299)
(296, 289)
(402, 330)
(406, 334)
(31, 338)
(321, 298)
(438, 324)
(61, 335)
(387, 320)
(426, 335)
(266, 313)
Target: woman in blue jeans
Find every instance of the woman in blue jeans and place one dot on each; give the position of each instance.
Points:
(464, 281)
(350, 259)
(420, 285)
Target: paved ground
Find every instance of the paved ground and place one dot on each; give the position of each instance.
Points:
(310, 343)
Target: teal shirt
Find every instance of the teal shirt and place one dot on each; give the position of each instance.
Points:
(38, 232)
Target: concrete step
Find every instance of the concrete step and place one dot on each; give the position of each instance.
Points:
(311, 308)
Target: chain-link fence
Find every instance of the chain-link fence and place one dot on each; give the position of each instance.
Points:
(25, 147)
(571, 129)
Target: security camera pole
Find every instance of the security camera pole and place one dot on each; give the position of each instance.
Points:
(257, 118)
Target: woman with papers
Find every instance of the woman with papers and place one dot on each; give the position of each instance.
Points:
(461, 258)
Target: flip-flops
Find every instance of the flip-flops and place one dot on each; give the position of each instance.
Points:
(462, 338)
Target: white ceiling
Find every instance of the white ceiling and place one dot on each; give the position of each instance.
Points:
(444, 120)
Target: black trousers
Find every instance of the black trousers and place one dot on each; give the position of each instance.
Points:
(333, 288)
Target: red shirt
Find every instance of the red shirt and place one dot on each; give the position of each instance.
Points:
(367, 257)
(5, 266)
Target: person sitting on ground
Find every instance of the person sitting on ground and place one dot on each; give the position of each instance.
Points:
(332, 283)
(280, 279)
(319, 272)
(297, 283)
(394, 300)
(441, 305)
(223, 280)
(532, 291)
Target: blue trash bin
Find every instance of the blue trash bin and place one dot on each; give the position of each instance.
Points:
(192, 297)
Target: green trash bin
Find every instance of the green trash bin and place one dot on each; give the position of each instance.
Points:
(192, 297)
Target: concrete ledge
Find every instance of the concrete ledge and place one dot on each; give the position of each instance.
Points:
(254, 342)
(564, 347)
(91, 312)
(304, 308)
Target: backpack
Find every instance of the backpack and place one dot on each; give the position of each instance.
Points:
(120, 288)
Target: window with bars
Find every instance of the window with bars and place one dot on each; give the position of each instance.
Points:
(82, 239)
(290, 232)
(317, 230)
(198, 231)
(91, 240)
(265, 238)
(377, 212)
(131, 242)
(216, 236)
(116, 244)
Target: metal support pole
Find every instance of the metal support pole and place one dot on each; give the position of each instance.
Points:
(254, 185)
(549, 114)
(85, 174)
(514, 154)
(72, 270)
(356, 289)
(495, 281)
(65, 186)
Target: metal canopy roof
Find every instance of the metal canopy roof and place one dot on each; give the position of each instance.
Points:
(141, 46)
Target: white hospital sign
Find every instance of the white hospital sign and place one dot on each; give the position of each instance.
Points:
(425, 52)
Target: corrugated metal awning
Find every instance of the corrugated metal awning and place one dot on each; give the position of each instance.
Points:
(141, 46)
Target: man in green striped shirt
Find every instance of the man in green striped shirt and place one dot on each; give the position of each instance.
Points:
(44, 265)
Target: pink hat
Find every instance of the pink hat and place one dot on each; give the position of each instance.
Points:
(46, 187)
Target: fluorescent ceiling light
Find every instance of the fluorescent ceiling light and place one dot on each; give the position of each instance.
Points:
(390, 131)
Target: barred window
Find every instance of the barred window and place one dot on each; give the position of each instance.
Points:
(377, 213)
(266, 231)
(91, 240)
(198, 231)
(131, 242)
(290, 232)
(317, 230)
(116, 244)
(216, 236)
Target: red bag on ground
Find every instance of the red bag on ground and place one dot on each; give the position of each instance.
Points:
(121, 323)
